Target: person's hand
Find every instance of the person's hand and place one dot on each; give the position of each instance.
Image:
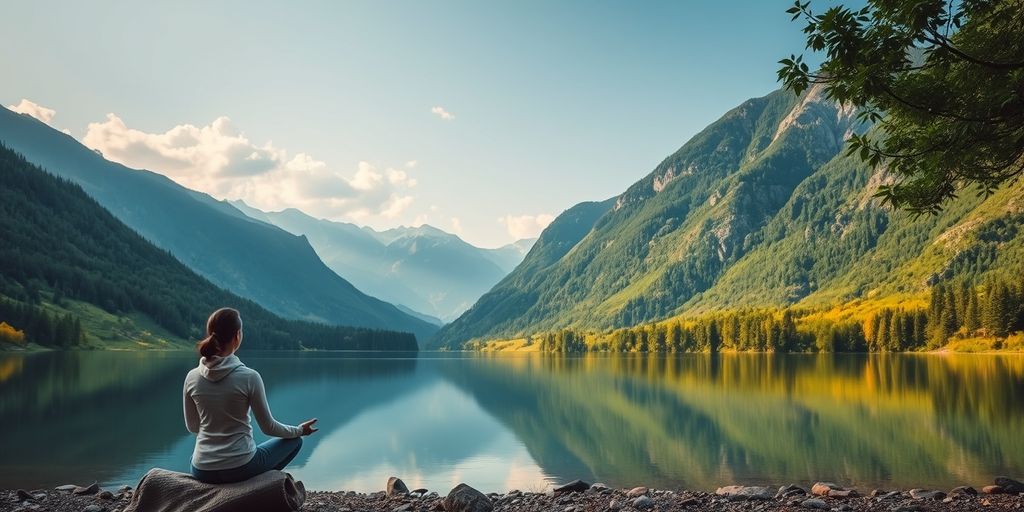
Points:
(307, 427)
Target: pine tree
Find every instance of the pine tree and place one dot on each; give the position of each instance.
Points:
(972, 314)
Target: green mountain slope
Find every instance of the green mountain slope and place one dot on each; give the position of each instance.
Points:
(421, 268)
(278, 270)
(59, 242)
(670, 235)
(762, 208)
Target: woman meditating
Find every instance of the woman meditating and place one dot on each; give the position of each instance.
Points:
(218, 395)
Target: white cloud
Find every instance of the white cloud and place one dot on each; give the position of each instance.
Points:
(526, 226)
(220, 160)
(457, 226)
(34, 109)
(442, 113)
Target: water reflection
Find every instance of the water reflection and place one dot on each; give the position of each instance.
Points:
(502, 422)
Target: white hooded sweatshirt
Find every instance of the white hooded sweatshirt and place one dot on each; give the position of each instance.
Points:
(218, 395)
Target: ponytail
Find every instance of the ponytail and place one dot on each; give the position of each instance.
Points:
(209, 347)
(221, 329)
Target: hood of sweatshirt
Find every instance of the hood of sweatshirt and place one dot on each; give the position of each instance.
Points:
(216, 368)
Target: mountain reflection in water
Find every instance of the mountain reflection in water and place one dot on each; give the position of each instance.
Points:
(527, 421)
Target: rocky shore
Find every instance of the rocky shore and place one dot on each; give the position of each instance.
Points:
(578, 496)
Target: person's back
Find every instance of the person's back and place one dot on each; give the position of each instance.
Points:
(218, 395)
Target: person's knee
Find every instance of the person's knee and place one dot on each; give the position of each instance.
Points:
(297, 441)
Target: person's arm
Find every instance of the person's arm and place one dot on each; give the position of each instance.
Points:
(261, 411)
(191, 412)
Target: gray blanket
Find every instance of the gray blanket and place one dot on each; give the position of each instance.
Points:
(168, 491)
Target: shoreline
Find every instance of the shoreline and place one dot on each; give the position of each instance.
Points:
(1006, 494)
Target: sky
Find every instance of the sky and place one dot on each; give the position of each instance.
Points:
(483, 118)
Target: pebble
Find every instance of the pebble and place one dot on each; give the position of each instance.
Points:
(91, 489)
(614, 505)
(574, 486)
(924, 494)
(964, 490)
(745, 493)
(106, 495)
(643, 502)
(94, 508)
(636, 491)
(814, 503)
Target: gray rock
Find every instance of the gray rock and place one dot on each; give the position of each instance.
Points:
(1010, 485)
(814, 503)
(788, 491)
(636, 491)
(963, 490)
(395, 486)
(23, 495)
(124, 488)
(66, 488)
(614, 505)
(745, 493)
(94, 508)
(105, 495)
(574, 486)
(464, 498)
(843, 508)
(91, 489)
(643, 502)
(925, 494)
(570, 508)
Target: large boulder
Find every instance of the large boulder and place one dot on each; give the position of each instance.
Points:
(396, 486)
(1010, 485)
(464, 498)
(168, 491)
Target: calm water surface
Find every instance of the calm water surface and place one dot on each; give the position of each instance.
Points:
(528, 421)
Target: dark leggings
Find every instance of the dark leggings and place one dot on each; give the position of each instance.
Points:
(272, 454)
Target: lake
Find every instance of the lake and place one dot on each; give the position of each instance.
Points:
(528, 421)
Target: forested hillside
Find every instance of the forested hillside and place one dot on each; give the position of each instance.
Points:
(760, 211)
(61, 246)
(252, 259)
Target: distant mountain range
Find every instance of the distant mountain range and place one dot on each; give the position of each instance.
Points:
(423, 270)
(276, 269)
(65, 254)
(761, 208)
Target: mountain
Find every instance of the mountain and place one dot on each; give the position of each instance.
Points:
(423, 269)
(509, 256)
(60, 246)
(278, 270)
(761, 208)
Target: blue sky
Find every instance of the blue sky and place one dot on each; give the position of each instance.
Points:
(482, 118)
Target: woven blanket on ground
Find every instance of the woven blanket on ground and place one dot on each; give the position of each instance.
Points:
(168, 491)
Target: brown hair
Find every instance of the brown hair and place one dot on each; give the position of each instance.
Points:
(221, 329)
